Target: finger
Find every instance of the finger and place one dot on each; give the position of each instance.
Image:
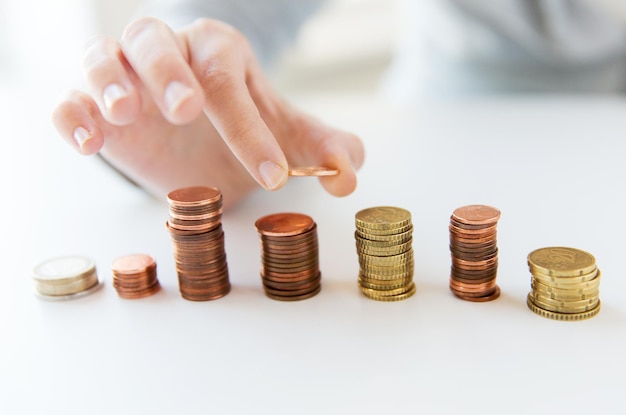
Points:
(315, 144)
(160, 61)
(76, 118)
(109, 81)
(221, 59)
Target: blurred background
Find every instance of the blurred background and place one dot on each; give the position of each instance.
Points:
(41, 43)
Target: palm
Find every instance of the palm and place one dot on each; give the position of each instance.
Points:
(161, 156)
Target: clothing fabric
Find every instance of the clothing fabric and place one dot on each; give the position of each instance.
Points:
(456, 47)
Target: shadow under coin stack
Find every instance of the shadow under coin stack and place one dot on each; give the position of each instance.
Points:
(135, 276)
(65, 278)
(289, 256)
(384, 238)
(198, 241)
(474, 253)
(565, 284)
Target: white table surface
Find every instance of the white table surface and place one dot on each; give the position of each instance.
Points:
(555, 167)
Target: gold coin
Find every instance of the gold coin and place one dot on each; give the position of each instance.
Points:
(400, 237)
(384, 284)
(560, 316)
(387, 260)
(559, 307)
(387, 291)
(583, 281)
(372, 233)
(383, 218)
(388, 275)
(384, 243)
(561, 261)
(386, 251)
(399, 297)
(564, 293)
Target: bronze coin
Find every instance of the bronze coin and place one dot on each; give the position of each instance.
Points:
(194, 195)
(486, 298)
(296, 297)
(476, 214)
(284, 224)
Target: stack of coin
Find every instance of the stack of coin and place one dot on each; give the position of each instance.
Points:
(135, 276)
(65, 278)
(474, 252)
(384, 238)
(565, 284)
(195, 227)
(289, 256)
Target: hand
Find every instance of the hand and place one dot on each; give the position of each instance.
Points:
(173, 109)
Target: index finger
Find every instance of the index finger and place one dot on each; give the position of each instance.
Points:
(223, 61)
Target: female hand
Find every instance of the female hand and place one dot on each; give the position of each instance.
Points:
(173, 109)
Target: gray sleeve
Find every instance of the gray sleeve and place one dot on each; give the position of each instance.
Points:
(269, 25)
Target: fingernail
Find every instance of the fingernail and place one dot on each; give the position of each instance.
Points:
(175, 94)
(81, 136)
(111, 94)
(273, 175)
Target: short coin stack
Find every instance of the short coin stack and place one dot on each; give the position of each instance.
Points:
(384, 238)
(565, 284)
(135, 276)
(198, 240)
(65, 278)
(289, 256)
(474, 252)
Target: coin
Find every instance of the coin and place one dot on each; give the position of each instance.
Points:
(374, 296)
(312, 171)
(289, 256)
(135, 276)
(382, 218)
(562, 316)
(565, 282)
(562, 261)
(284, 224)
(476, 215)
(198, 242)
(474, 252)
(384, 245)
(65, 278)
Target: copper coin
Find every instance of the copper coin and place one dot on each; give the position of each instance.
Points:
(482, 287)
(284, 224)
(194, 195)
(472, 280)
(490, 297)
(297, 297)
(312, 171)
(476, 214)
(301, 238)
(134, 276)
(293, 292)
(462, 225)
(293, 285)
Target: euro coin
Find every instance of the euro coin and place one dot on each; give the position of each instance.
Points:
(65, 278)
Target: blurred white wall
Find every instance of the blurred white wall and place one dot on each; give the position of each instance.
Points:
(343, 48)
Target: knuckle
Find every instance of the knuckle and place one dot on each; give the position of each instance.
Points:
(139, 26)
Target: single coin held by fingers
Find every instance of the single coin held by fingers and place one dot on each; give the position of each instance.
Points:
(312, 171)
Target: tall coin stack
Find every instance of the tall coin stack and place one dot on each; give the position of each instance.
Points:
(474, 252)
(384, 238)
(565, 284)
(289, 256)
(198, 240)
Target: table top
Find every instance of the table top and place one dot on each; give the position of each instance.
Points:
(553, 166)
